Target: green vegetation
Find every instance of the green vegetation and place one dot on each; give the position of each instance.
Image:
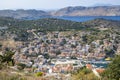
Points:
(47, 24)
(20, 27)
(38, 74)
(21, 66)
(113, 70)
(102, 23)
(111, 73)
(7, 76)
(84, 74)
(6, 58)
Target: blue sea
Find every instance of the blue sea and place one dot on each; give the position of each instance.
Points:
(79, 18)
(87, 18)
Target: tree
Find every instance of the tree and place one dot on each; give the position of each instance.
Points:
(73, 46)
(21, 66)
(84, 38)
(46, 56)
(7, 57)
(0, 45)
(58, 52)
(109, 52)
(113, 70)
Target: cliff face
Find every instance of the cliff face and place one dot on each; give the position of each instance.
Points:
(68, 11)
(88, 11)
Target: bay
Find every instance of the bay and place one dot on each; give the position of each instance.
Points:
(76, 18)
(87, 18)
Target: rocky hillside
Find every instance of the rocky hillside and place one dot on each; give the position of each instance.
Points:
(88, 11)
(56, 24)
(23, 14)
(100, 23)
(17, 27)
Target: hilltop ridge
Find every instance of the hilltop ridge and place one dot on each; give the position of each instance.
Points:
(67, 11)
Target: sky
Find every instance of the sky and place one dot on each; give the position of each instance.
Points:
(51, 4)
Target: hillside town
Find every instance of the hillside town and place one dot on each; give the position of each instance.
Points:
(56, 52)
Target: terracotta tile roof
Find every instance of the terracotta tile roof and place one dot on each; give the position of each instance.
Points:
(89, 66)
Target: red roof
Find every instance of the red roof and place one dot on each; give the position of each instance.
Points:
(89, 66)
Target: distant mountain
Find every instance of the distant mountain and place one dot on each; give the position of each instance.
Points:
(68, 11)
(88, 11)
(23, 14)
